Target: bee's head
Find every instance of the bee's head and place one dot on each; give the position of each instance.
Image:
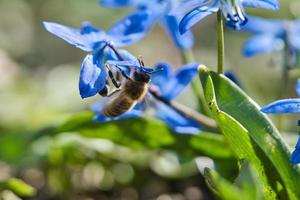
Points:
(141, 76)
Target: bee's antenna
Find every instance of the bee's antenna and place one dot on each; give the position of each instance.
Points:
(141, 61)
(157, 70)
(122, 72)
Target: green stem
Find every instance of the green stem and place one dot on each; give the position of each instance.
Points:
(284, 79)
(285, 70)
(187, 56)
(220, 43)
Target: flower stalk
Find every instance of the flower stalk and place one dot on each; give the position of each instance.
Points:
(221, 49)
(205, 121)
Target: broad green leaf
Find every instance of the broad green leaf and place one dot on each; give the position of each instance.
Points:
(213, 145)
(246, 185)
(147, 133)
(249, 182)
(136, 133)
(250, 134)
(221, 187)
(19, 187)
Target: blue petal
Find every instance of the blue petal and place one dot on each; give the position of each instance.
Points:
(125, 55)
(177, 122)
(262, 43)
(112, 58)
(182, 41)
(298, 87)
(265, 26)
(125, 63)
(85, 39)
(134, 64)
(88, 28)
(265, 4)
(295, 157)
(294, 40)
(119, 3)
(229, 74)
(161, 77)
(132, 28)
(187, 6)
(191, 18)
(92, 76)
(283, 106)
(173, 87)
(130, 114)
(295, 26)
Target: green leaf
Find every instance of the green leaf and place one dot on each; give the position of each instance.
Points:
(249, 182)
(246, 185)
(250, 134)
(212, 145)
(19, 187)
(136, 133)
(147, 133)
(220, 186)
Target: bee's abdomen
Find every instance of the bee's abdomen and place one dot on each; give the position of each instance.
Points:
(118, 107)
(136, 91)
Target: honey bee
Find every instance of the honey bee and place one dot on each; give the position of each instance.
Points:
(133, 90)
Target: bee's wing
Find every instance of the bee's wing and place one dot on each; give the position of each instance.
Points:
(128, 63)
(125, 66)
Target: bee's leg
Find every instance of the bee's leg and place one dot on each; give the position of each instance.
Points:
(111, 76)
(123, 73)
(113, 92)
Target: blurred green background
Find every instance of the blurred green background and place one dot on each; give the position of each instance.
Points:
(39, 89)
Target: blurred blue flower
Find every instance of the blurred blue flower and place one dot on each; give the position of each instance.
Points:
(159, 11)
(287, 106)
(295, 157)
(231, 75)
(99, 45)
(171, 84)
(232, 10)
(270, 35)
(168, 86)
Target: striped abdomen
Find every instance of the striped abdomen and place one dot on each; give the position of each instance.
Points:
(131, 93)
(118, 106)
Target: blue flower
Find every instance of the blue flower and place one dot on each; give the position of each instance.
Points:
(168, 86)
(231, 75)
(270, 35)
(172, 84)
(99, 46)
(287, 106)
(232, 10)
(159, 10)
(295, 157)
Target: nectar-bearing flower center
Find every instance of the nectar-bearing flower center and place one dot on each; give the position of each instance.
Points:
(233, 12)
